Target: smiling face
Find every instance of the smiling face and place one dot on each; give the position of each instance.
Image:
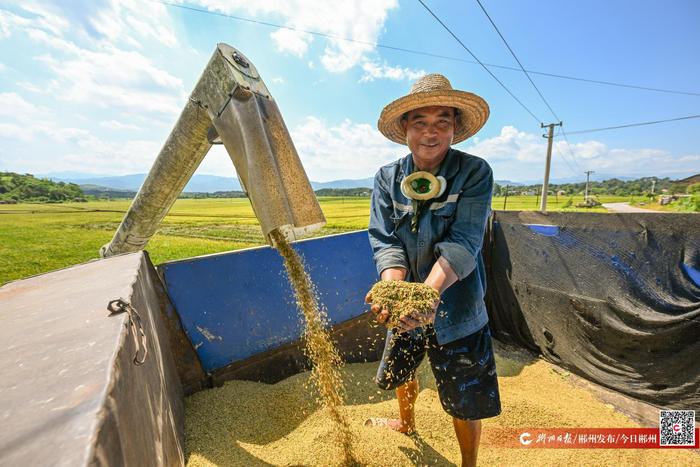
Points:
(429, 132)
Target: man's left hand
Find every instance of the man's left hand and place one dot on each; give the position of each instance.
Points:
(417, 319)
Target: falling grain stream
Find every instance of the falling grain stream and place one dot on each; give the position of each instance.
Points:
(324, 356)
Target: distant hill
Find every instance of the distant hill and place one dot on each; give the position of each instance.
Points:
(106, 192)
(18, 188)
(611, 186)
(507, 182)
(127, 185)
(690, 180)
(357, 183)
(198, 183)
(206, 183)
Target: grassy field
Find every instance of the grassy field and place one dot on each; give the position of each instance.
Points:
(36, 238)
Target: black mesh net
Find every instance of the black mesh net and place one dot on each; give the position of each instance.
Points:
(614, 298)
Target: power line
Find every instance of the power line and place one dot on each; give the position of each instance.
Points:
(576, 170)
(517, 60)
(561, 127)
(568, 148)
(427, 54)
(607, 83)
(578, 132)
(480, 62)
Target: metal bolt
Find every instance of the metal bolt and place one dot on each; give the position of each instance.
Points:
(240, 60)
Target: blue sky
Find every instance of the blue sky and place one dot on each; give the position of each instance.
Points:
(96, 86)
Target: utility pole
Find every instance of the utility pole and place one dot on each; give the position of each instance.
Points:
(505, 199)
(545, 185)
(653, 185)
(588, 176)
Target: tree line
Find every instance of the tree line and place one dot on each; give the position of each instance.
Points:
(613, 186)
(17, 188)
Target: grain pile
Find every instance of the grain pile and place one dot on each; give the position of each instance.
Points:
(255, 424)
(325, 359)
(400, 298)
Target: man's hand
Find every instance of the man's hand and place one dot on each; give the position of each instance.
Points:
(389, 274)
(417, 319)
(380, 315)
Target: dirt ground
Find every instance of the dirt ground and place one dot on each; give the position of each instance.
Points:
(255, 424)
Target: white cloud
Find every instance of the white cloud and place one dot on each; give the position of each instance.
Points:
(32, 87)
(115, 77)
(520, 156)
(352, 150)
(100, 73)
(117, 21)
(294, 42)
(9, 22)
(46, 16)
(375, 70)
(348, 150)
(360, 20)
(91, 155)
(133, 156)
(328, 152)
(278, 80)
(15, 106)
(116, 125)
(509, 145)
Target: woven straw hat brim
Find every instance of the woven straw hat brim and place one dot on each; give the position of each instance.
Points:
(474, 109)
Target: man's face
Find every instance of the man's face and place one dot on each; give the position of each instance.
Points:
(429, 132)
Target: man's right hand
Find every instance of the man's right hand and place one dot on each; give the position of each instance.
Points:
(380, 315)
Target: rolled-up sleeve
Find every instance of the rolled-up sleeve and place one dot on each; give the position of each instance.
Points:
(387, 248)
(462, 243)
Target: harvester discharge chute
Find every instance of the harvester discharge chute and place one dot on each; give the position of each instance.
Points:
(230, 104)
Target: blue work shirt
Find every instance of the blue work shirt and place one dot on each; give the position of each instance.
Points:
(451, 226)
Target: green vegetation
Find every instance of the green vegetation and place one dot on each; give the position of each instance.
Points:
(689, 202)
(100, 192)
(611, 187)
(17, 188)
(36, 238)
(344, 192)
(216, 194)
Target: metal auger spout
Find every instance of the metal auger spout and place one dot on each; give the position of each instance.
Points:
(230, 104)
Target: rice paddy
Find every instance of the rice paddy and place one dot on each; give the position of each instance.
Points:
(37, 238)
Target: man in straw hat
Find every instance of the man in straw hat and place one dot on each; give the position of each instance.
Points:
(427, 221)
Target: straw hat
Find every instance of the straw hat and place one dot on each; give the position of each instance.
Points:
(435, 89)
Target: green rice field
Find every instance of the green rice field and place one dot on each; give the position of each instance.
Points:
(36, 238)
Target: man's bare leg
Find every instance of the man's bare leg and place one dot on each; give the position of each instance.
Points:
(406, 394)
(468, 435)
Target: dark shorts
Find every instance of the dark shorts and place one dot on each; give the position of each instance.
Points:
(465, 370)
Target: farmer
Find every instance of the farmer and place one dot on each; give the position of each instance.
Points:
(427, 221)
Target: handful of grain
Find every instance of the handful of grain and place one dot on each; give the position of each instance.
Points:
(400, 298)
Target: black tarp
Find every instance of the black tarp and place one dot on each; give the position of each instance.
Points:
(614, 298)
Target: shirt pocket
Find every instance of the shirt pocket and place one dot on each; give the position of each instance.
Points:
(443, 217)
(399, 217)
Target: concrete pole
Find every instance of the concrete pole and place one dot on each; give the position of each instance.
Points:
(545, 185)
(588, 176)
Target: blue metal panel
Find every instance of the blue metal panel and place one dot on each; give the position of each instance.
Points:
(546, 230)
(237, 304)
